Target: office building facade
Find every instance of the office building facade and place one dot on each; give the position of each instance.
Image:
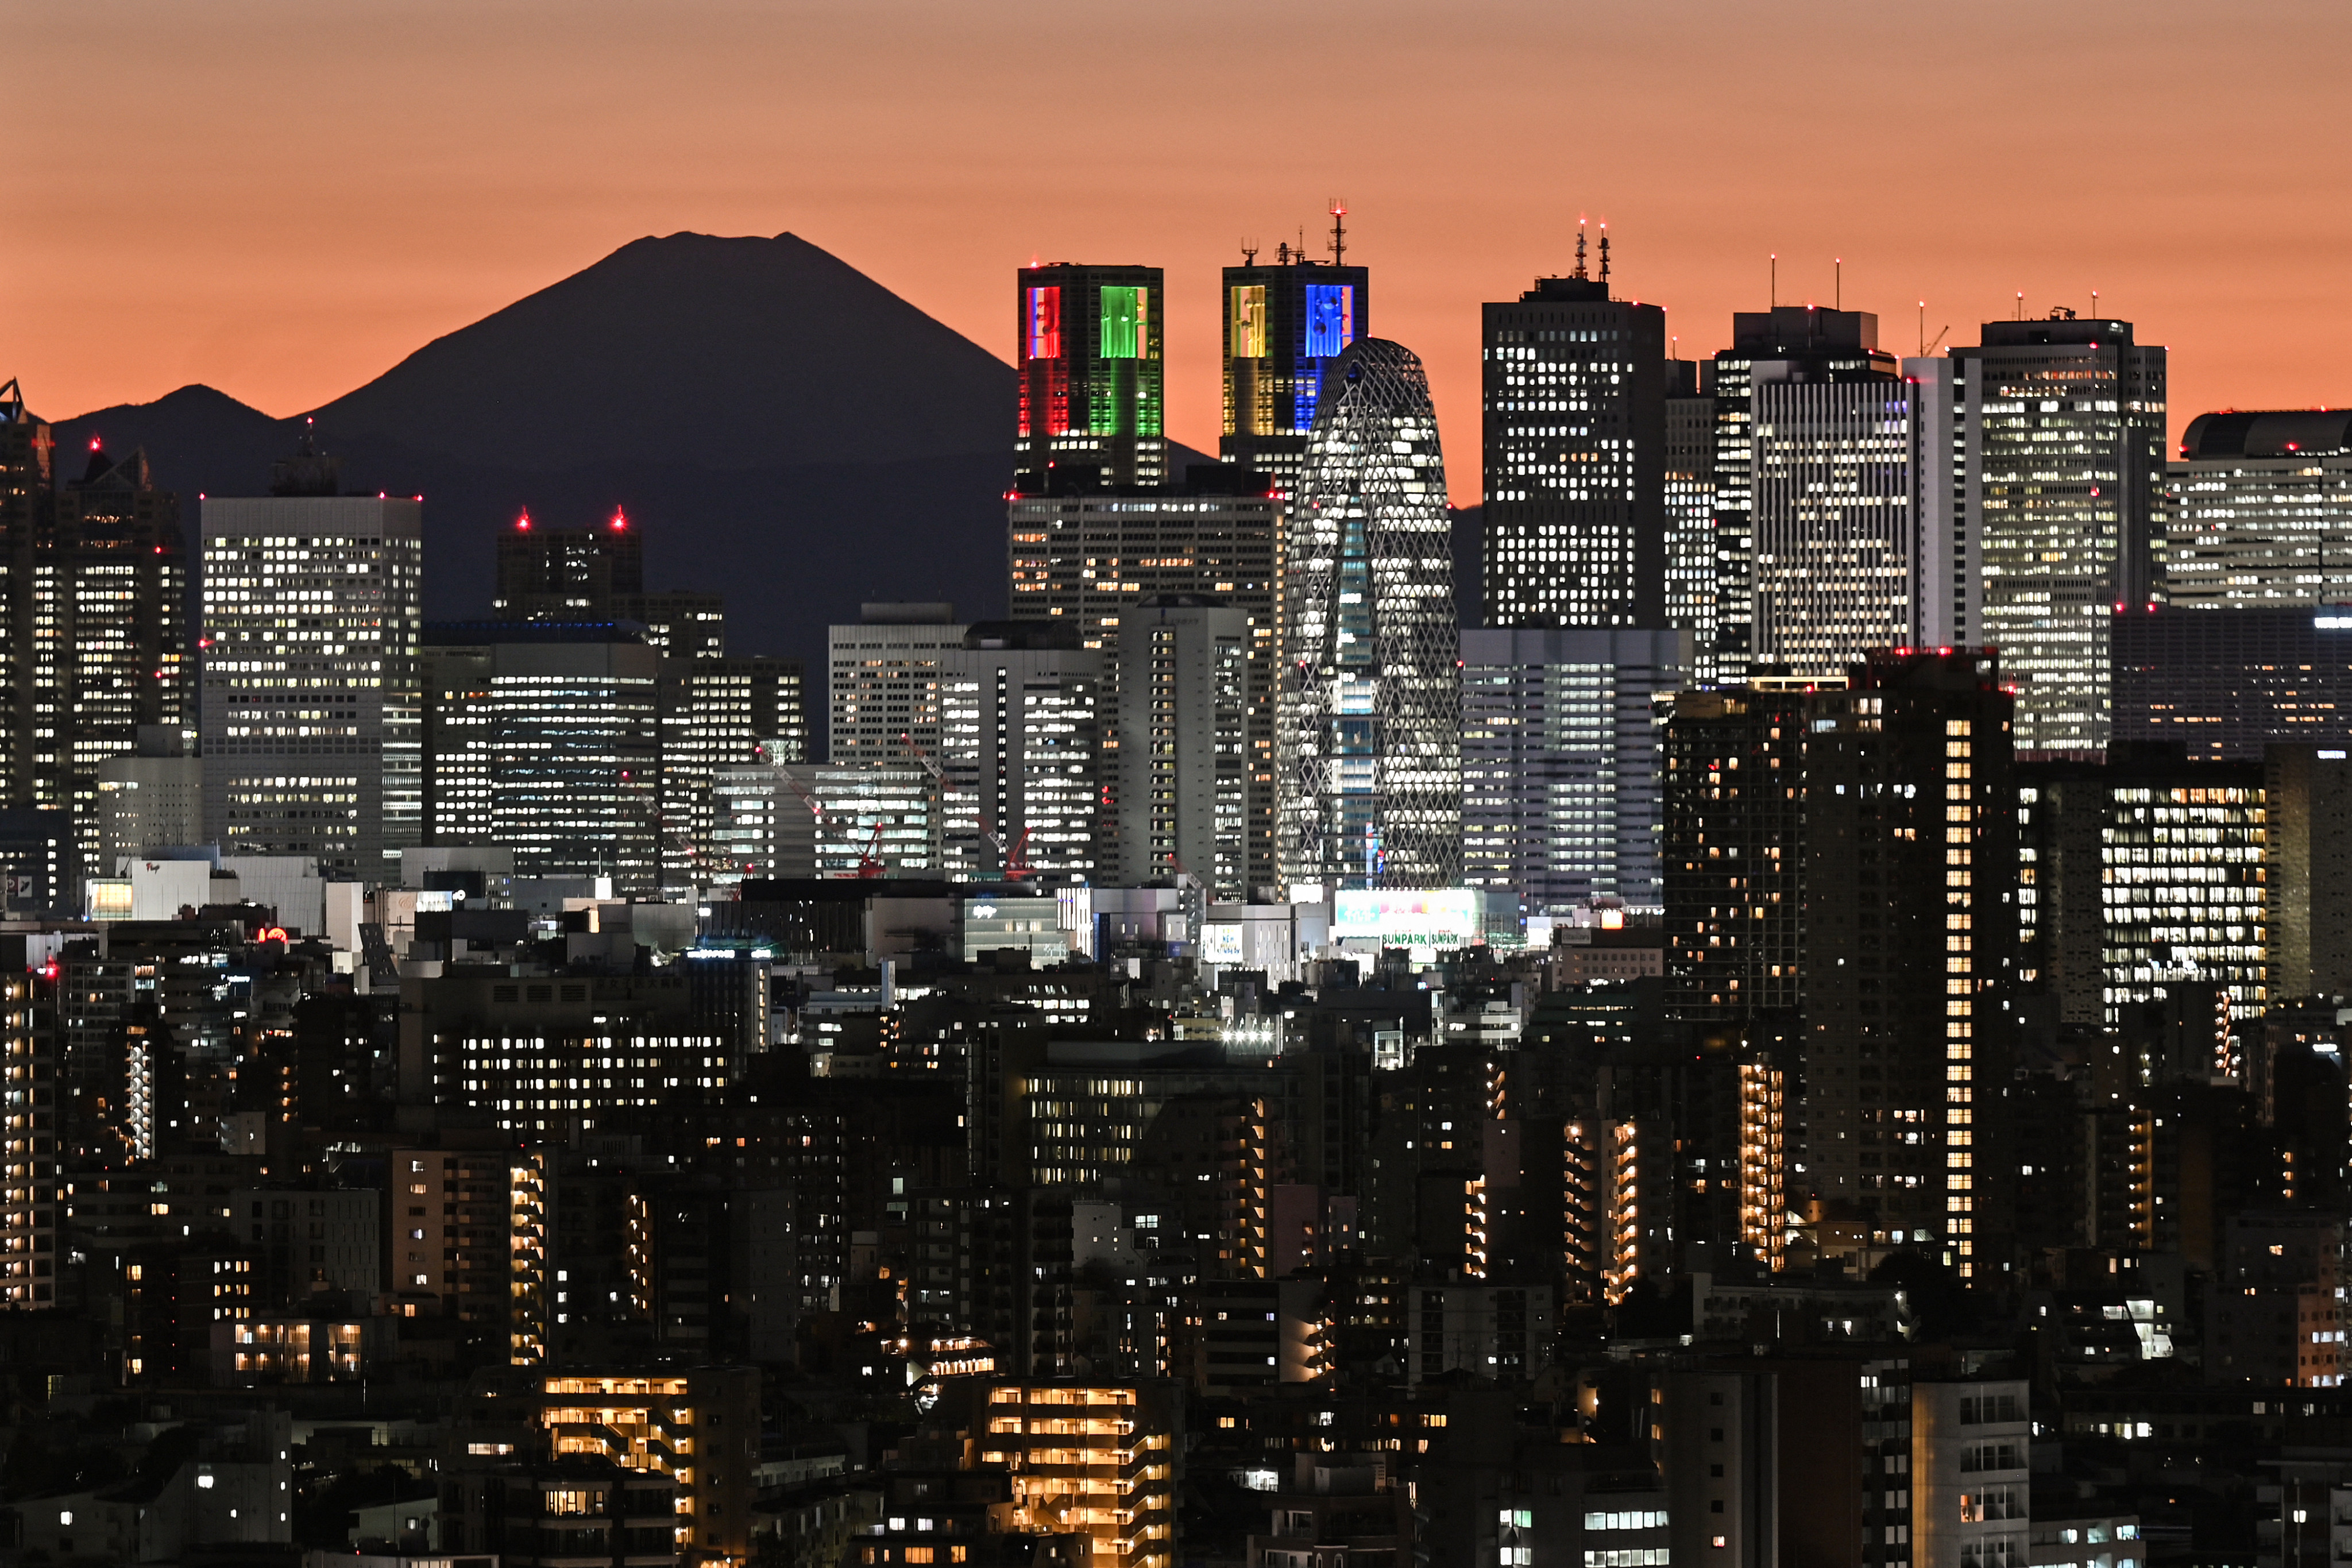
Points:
(1189, 690)
(1284, 326)
(1021, 754)
(2228, 681)
(546, 739)
(1089, 354)
(1575, 520)
(1369, 725)
(2141, 874)
(884, 683)
(1093, 559)
(2060, 429)
(1562, 739)
(1693, 570)
(311, 733)
(2258, 511)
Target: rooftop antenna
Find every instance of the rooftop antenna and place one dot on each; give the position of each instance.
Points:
(1837, 283)
(2020, 304)
(1776, 279)
(1282, 252)
(1339, 230)
(2094, 303)
(1249, 253)
(1604, 250)
(1579, 248)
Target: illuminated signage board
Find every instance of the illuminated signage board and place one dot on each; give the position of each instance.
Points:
(1431, 917)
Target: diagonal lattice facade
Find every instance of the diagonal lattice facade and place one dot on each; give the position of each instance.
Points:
(1370, 717)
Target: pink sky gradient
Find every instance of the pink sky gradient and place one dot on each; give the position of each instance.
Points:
(283, 200)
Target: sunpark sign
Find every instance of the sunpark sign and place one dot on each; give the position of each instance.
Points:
(1431, 917)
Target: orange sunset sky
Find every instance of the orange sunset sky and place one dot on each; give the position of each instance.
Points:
(282, 200)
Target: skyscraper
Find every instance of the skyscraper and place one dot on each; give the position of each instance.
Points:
(1693, 595)
(1910, 834)
(1855, 546)
(1285, 323)
(1187, 693)
(311, 741)
(1092, 558)
(1575, 515)
(1021, 711)
(2226, 682)
(1370, 748)
(1562, 733)
(1785, 344)
(1089, 360)
(2258, 511)
(885, 683)
(1734, 878)
(2063, 426)
(545, 740)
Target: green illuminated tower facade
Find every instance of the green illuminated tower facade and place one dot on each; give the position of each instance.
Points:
(1091, 392)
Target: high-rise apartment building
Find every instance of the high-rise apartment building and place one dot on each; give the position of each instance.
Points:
(310, 727)
(1575, 517)
(1088, 342)
(1021, 754)
(1562, 737)
(2258, 511)
(1910, 839)
(30, 1199)
(1189, 687)
(545, 740)
(1693, 597)
(2061, 426)
(1368, 721)
(1285, 323)
(1733, 875)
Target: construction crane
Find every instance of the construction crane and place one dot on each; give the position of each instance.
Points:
(1017, 858)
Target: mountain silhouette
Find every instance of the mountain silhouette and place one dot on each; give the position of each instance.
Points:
(785, 431)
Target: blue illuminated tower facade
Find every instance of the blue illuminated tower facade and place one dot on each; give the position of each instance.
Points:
(1088, 342)
(1284, 324)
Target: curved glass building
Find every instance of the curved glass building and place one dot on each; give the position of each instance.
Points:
(1370, 732)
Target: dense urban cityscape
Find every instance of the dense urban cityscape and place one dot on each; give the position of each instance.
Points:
(1771, 997)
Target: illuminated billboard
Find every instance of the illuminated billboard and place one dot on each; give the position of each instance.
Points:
(1396, 917)
(1221, 942)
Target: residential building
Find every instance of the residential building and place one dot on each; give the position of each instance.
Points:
(1733, 871)
(1103, 1458)
(1910, 836)
(1971, 1481)
(1369, 758)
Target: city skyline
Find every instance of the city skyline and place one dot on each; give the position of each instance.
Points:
(916, 176)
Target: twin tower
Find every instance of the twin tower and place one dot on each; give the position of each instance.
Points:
(1349, 733)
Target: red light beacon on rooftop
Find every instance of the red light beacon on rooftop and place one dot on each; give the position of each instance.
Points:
(620, 519)
(522, 523)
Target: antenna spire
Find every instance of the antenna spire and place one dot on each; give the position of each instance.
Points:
(1604, 250)
(1776, 279)
(1339, 230)
(1837, 283)
(1580, 249)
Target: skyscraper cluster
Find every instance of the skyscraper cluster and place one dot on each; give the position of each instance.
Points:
(1799, 1018)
